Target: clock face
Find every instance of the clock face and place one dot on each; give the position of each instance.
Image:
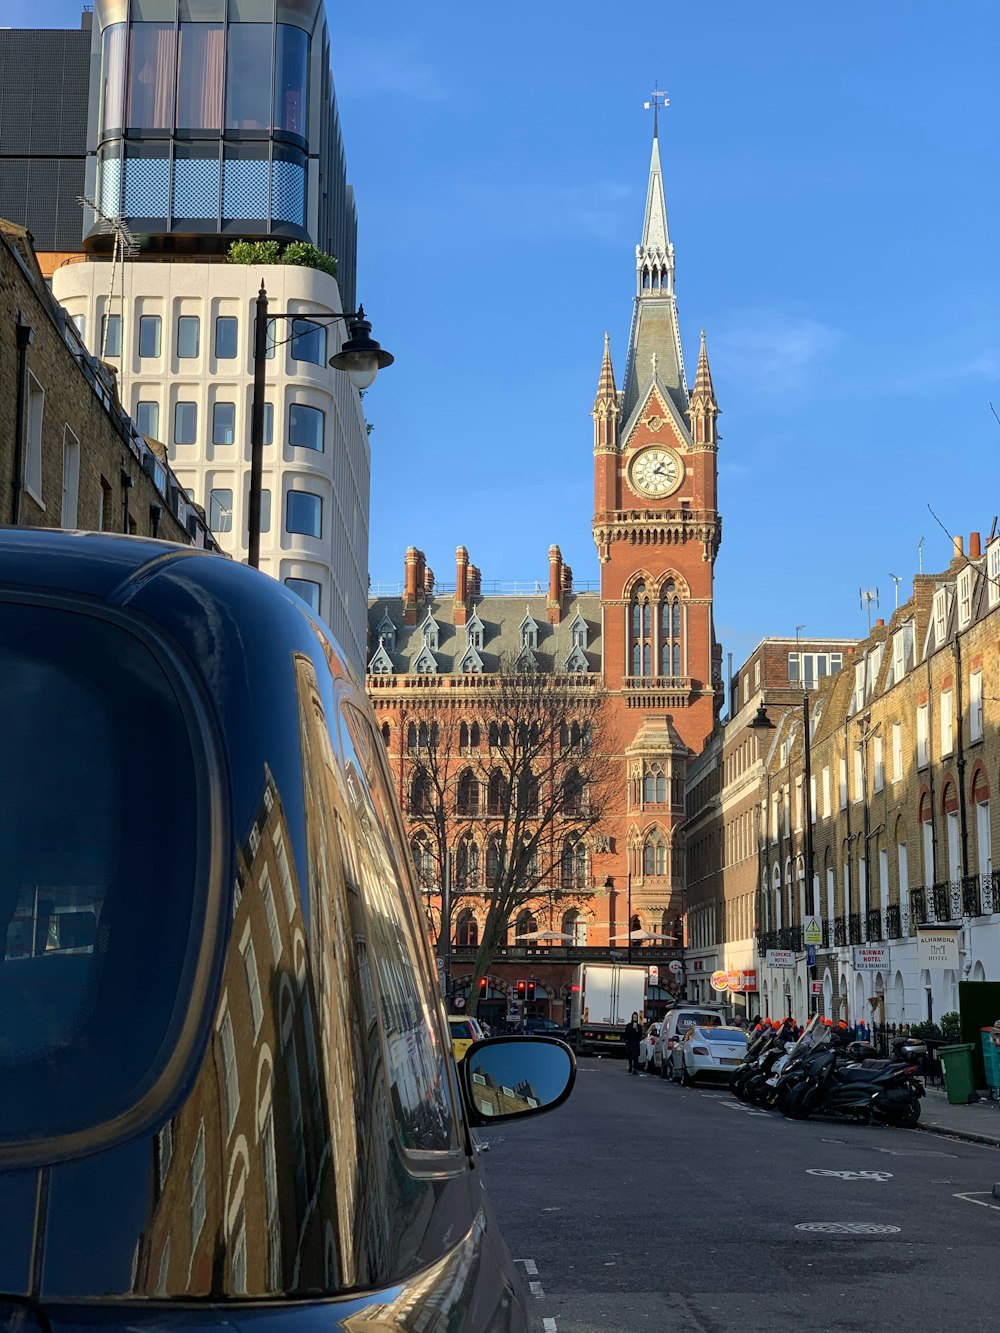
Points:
(655, 472)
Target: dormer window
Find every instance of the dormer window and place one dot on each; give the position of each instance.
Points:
(471, 662)
(858, 698)
(529, 634)
(577, 660)
(476, 632)
(426, 663)
(381, 663)
(386, 633)
(942, 603)
(993, 571)
(902, 651)
(430, 634)
(578, 632)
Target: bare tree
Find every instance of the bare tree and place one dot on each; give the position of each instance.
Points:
(529, 769)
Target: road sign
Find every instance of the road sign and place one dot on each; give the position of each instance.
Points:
(440, 964)
(815, 988)
(810, 955)
(813, 932)
(720, 980)
(654, 976)
(459, 1001)
(675, 968)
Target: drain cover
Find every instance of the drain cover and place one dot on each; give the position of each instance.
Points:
(849, 1228)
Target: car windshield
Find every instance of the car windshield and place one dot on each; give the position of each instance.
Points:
(733, 1036)
(463, 1027)
(695, 1020)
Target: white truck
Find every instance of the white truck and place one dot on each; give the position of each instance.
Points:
(603, 999)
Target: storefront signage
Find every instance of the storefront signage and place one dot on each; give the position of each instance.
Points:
(779, 958)
(749, 979)
(815, 988)
(871, 957)
(937, 948)
(720, 980)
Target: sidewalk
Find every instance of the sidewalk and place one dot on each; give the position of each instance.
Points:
(979, 1122)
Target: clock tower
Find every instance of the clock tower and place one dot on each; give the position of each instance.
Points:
(657, 530)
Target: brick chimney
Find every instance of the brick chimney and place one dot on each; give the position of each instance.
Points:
(461, 585)
(413, 585)
(553, 606)
(567, 581)
(975, 546)
(475, 581)
(958, 550)
(428, 588)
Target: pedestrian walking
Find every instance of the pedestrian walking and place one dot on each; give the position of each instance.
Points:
(633, 1036)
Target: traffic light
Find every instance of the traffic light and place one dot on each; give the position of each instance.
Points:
(522, 989)
(531, 990)
(482, 987)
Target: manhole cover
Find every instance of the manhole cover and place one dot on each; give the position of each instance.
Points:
(849, 1228)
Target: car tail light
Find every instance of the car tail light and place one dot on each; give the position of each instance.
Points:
(912, 1070)
(699, 1050)
(670, 1043)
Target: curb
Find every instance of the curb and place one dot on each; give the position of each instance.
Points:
(983, 1140)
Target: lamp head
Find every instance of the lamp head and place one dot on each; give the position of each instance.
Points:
(761, 721)
(361, 357)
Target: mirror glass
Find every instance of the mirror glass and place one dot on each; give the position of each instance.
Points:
(514, 1076)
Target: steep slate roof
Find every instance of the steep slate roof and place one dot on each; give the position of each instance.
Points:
(502, 617)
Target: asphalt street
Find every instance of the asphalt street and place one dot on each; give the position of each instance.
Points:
(643, 1205)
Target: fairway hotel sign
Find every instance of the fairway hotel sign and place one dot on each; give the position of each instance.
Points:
(870, 957)
(937, 947)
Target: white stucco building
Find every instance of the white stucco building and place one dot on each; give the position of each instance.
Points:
(181, 337)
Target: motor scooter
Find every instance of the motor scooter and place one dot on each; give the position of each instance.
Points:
(815, 1079)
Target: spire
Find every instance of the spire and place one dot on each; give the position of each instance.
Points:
(606, 404)
(654, 322)
(703, 407)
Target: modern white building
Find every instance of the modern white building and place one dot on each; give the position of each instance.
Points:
(180, 335)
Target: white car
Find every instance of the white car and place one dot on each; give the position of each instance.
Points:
(675, 1023)
(712, 1052)
(646, 1047)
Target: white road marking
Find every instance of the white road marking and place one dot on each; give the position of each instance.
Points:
(530, 1267)
(549, 1325)
(536, 1290)
(849, 1175)
(970, 1197)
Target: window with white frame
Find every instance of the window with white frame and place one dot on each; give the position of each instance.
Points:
(877, 763)
(798, 804)
(942, 600)
(922, 749)
(965, 586)
(270, 911)
(976, 705)
(858, 698)
(812, 798)
(808, 669)
(230, 1080)
(902, 651)
(859, 774)
(842, 776)
(993, 571)
(253, 981)
(947, 741)
(746, 686)
(897, 751)
(71, 480)
(756, 674)
(197, 1175)
(825, 788)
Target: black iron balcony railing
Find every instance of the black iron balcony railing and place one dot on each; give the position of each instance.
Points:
(827, 935)
(873, 924)
(840, 932)
(854, 928)
(893, 923)
(942, 903)
(971, 896)
(918, 907)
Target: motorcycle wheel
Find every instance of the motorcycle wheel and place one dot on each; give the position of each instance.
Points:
(738, 1086)
(796, 1103)
(904, 1115)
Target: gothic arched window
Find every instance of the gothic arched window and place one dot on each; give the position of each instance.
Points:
(573, 793)
(655, 792)
(574, 923)
(496, 793)
(467, 930)
(641, 632)
(574, 864)
(671, 635)
(525, 924)
(467, 864)
(467, 802)
(654, 854)
(420, 792)
(423, 860)
(494, 852)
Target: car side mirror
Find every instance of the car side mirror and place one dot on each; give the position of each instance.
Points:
(503, 1078)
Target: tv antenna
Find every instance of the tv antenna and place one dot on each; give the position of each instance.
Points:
(920, 554)
(897, 580)
(123, 248)
(868, 595)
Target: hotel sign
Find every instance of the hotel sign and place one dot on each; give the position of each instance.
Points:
(937, 947)
(871, 957)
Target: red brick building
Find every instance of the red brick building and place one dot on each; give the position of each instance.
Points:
(645, 634)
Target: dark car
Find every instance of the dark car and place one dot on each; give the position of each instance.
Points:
(228, 1094)
(545, 1027)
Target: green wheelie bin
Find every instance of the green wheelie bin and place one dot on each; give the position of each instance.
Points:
(957, 1063)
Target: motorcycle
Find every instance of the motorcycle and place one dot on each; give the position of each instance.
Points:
(818, 1077)
(758, 1050)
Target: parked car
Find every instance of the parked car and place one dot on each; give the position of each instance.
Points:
(229, 1097)
(646, 1047)
(707, 1052)
(545, 1027)
(464, 1031)
(675, 1023)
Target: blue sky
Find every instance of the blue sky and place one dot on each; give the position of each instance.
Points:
(832, 183)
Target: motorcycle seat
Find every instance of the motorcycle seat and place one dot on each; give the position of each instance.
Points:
(859, 1073)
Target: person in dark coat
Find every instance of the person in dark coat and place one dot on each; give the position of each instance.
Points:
(633, 1036)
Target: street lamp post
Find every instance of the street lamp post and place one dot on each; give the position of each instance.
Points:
(360, 357)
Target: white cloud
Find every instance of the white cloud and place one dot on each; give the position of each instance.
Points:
(774, 350)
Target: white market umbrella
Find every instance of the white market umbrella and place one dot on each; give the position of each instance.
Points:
(637, 935)
(547, 935)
